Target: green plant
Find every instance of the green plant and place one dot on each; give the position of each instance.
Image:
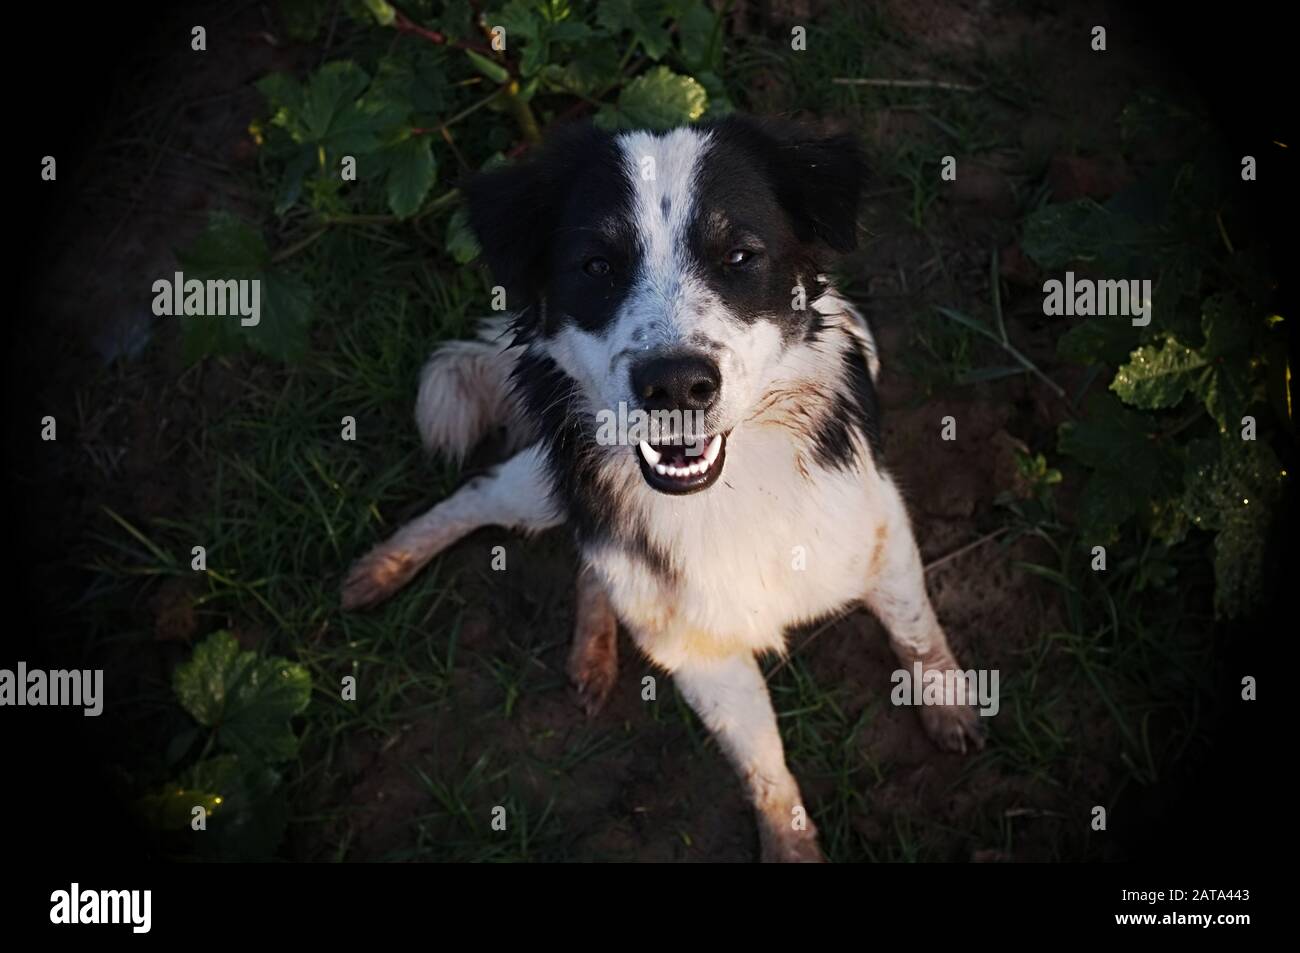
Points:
(1180, 443)
(242, 704)
(360, 142)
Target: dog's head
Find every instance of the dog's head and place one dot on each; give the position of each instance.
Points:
(669, 274)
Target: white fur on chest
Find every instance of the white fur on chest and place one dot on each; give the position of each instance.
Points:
(767, 547)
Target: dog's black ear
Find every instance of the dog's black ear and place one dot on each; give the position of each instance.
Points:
(513, 209)
(818, 176)
(824, 177)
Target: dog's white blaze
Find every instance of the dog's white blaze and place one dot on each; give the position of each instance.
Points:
(664, 305)
(673, 158)
(670, 304)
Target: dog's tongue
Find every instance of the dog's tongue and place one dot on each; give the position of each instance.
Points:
(673, 454)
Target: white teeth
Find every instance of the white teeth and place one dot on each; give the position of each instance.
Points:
(653, 457)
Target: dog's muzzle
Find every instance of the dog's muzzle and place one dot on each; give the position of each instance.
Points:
(686, 385)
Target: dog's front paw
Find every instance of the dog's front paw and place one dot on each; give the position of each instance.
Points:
(376, 576)
(785, 845)
(954, 727)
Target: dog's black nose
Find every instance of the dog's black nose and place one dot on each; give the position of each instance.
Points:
(681, 382)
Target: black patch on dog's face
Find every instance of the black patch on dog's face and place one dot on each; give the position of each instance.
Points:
(573, 458)
(541, 223)
(787, 201)
(594, 228)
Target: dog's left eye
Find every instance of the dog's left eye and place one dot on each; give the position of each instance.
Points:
(596, 267)
(740, 256)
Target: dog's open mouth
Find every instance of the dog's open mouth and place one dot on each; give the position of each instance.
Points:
(669, 468)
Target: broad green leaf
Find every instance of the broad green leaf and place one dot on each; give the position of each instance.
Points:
(1218, 374)
(303, 19)
(172, 808)
(571, 31)
(1106, 503)
(532, 28)
(329, 113)
(1133, 469)
(1157, 377)
(382, 11)
(1233, 486)
(283, 93)
(286, 316)
(1098, 341)
(208, 337)
(411, 173)
(461, 243)
(1108, 437)
(248, 700)
(228, 244)
(525, 34)
(700, 35)
(522, 22)
(1152, 115)
(1169, 522)
(719, 102)
(230, 249)
(330, 91)
(251, 819)
(289, 189)
(227, 249)
(1056, 235)
(1229, 331)
(657, 100)
(314, 126)
(360, 129)
(246, 809)
(414, 80)
(586, 74)
(1227, 394)
(644, 19)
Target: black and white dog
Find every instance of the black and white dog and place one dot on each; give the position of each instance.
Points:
(684, 274)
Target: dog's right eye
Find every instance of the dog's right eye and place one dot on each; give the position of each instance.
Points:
(596, 267)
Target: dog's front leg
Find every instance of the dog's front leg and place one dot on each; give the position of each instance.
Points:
(593, 657)
(731, 698)
(896, 594)
(514, 494)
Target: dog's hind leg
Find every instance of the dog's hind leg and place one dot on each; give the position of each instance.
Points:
(514, 494)
(593, 657)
